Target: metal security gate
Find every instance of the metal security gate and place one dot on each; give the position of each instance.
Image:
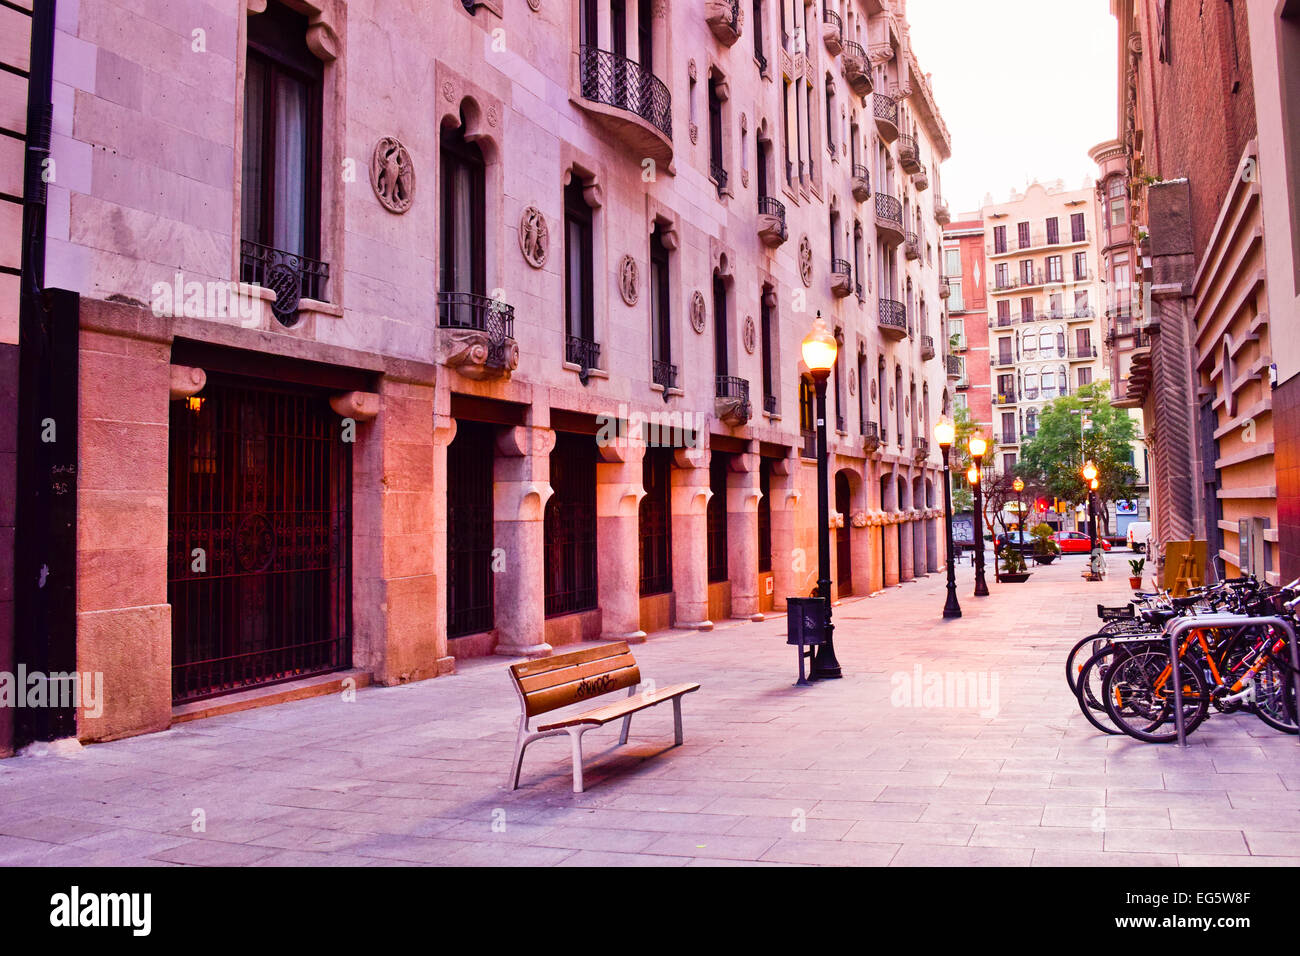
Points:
(469, 529)
(259, 538)
(570, 526)
(656, 526)
(843, 549)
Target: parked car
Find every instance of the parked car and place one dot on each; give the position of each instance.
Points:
(1020, 540)
(1138, 533)
(1076, 542)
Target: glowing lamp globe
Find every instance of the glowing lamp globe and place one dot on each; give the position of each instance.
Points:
(945, 432)
(1089, 472)
(973, 475)
(819, 347)
(978, 445)
(1018, 485)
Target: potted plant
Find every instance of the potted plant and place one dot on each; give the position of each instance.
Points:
(1012, 565)
(1136, 565)
(1046, 550)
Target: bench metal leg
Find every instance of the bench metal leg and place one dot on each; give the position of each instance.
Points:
(677, 718)
(627, 721)
(517, 764)
(576, 736)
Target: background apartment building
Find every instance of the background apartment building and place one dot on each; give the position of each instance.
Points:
(968, 329)
(1201, 249)
(444, 258)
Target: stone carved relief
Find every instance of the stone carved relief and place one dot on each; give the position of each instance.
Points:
(695, 133)
(392, 175)
(750, 335)
(535, 5)
(697, 312)
(805, 260)
(744, 178)
(448, 91)
(470, 353)
(627, 279)
(853, 381)
(534, 236)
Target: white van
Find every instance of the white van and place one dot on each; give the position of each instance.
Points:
(1138, 533)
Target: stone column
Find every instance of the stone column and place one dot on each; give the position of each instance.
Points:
(619, 491)
(787, 573)
(444, 433)
(906, 566)
(689, 500)
(742, 535)
(889, 528)
(521, 488)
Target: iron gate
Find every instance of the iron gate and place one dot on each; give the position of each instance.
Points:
(656, 527)
(469, 529)
(716, 517)
(570, 526)
(259, 538)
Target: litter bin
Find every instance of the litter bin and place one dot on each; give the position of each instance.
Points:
(805, 620)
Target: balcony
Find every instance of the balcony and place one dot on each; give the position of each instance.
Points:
(952, 365)
(771, 221)
(857, 69)
(664, 374)
(885, 108)
(1009, 438)
(1030, 394)
(893, 320)
(583, 353)
(1037, 241)
(909, 157)
(920, 448)
(945, 290)
(832, 32)
(1007, 397)
(922, 179)
(927, 347)
(871, 436)
(841, 278)
(942, 215)
(769, 404)
(1001, 322)
(889, 218)
(477, 335)
(911, 245)
(1081, 314)
(719, 176)
(632, 103)
(861, 182)
(731, 399)
(1087, 353)
(723, 18)
(291, 277)
(1002, 360)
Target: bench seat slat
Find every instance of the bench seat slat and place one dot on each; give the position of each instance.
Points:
(576, 691)
(574, 672)
(621, 708)
(543, 664)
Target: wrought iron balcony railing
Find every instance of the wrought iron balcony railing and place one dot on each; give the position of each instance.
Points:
(841, 267)
(622, 83)
(854, 49)
(479, 313)
(719, 176)
(769, 404)
(833, 18)
(885, 107)
(664, 374)
(953, 366)
(731, 386)
(583, 353)
(1086, 352)
(889, 209)
(774, 208)
(290, 276)
(893, 315)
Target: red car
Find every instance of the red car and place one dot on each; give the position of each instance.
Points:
(1076, 542)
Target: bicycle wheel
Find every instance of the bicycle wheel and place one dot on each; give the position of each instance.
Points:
(1079, 654)
(1088, 692)
(1275, 702)
(1139, 703)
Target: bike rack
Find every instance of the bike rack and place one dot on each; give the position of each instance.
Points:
(1175, 629)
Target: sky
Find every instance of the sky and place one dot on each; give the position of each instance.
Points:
(1026, 88)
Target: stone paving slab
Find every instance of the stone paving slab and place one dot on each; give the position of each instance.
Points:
(946, 743)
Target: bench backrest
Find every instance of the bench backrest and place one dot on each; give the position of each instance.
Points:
(550, 683)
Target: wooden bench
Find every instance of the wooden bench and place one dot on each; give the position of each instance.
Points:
(550, 683)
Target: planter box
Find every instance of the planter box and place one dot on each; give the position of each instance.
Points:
(1020, 578)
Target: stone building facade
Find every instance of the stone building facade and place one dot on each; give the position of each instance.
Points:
(412, 336)
(1192, 319)
(963, 250)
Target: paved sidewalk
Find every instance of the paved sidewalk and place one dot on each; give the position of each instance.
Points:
(843, 772)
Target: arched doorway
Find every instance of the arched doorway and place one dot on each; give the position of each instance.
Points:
(843, 548)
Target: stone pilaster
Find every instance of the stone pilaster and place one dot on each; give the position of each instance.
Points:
(690, 498)
(742, 535)
(619, 491)
(787, 574)
(520, 490)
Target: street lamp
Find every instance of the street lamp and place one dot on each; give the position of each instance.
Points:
(945, 433)
(819, 352)
(1089, 472)
(975, 476)
(1019, 486)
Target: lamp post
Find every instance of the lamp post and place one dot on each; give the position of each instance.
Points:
(975, 476)
(1089, 472)
(819, 351)
(945, 433)
(1019, 486)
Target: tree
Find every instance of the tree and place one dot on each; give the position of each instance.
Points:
(1054, 457)
(962, 497)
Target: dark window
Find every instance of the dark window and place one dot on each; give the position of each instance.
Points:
(1055, 269)
(469, 529)
(758, 35)
(765, 322)
(999, 239)
(1078, 232)
(1027, 271)
(578, 267)
(1053, 231)
(462, 266)
(1004, 312)
(717, 517)
(656, 522)
(1027, 309)
(660, 301)
(1080, 265)
(1023, 230)
(570, 526)
(808, 417)
(830, 113)
(765, 514)
(715, 134)
(720, 365)
(862, 393)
